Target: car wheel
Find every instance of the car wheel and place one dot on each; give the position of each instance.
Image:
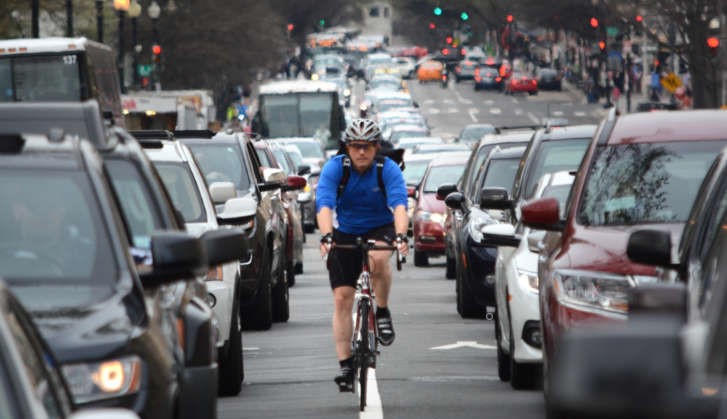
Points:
(281, 297)
(309, 228)
(503, 360)
(522, 376)
(231, 363)
(290, 273)
(259, 314)
(420, 259)
(450, 271)
(467, 306)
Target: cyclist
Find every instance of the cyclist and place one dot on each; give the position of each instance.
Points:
(351, 184)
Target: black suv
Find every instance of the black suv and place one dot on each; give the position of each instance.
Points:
(64, 236)
(232, 169)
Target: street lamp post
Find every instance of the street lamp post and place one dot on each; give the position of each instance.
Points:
(134, 12)
(121, 6)
(69, 18)
(154, 11)
(99, 20)
(35, 14)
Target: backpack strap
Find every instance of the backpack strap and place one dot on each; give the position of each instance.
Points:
(380, 172)
(344, 178)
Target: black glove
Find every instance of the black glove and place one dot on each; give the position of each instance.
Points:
(327, 238)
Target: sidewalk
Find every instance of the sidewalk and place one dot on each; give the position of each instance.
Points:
(578, 96)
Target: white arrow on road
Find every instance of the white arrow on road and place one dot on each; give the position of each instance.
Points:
(473, 112)
(452, 110)
(463, 344)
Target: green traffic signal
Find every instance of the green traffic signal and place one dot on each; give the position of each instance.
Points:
(438, 11)
(322, 22)
(464, 16)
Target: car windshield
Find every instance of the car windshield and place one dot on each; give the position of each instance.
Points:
(52, 77)
(472, 134)
(645, 183)
(439, 175)
(282, 161)
(51, 229)
(415, 171)
(389, 104)
(559, 192)
(179, 181)
(398, 135)
(222, 163)
(309, 149)
(554, 156)
(294, 115)
(501, 173)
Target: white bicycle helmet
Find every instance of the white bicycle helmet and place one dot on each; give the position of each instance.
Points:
(362, 129)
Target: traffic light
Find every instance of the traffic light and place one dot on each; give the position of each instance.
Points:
(594, 23)
(290, 27)
(156, 51)
(509, 18)
(713, 44)
(437, 11)
(639, 19)
(602, 45)
(445, 51)
(448, 40)
(464, 16)
(432, 26)
(322, 23)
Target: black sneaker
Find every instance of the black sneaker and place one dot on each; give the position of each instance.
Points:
(344, 380)
(386, 329)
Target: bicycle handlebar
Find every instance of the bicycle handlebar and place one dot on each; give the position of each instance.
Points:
(371, 245)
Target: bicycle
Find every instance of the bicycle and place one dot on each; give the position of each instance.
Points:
(364, 343)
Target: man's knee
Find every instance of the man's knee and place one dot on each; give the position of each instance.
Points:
(343, 298)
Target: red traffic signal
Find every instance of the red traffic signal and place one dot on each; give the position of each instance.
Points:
(290, 27)
(156, 49)
(509, 18)
(639, 18)
(448, 40)
(713, 44)
(594, 22)
(445, 51)
(432, 25)
(602, 45)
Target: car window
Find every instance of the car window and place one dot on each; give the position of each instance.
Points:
(645, 183)
(50, 228)
(222, 163)
(415, 171)
(714, 265)
(263, 156)
(559, 192)
(499, 173)
(439, 175)
(554, 156)
(309, 149)
(280, 157)
(135, 201)
(182, 188)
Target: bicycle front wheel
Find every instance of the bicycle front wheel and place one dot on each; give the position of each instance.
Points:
(363, 358)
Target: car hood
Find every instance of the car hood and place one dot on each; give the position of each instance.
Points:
(80, 331)
(603, 249)
(429, 202)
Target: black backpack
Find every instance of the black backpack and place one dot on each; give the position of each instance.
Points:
(387, 150)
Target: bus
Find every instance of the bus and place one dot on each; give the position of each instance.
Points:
(300, 108)
(60, 70)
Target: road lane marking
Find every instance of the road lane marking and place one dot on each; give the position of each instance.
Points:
(250, 348)
(448, 101)
(495, 111)
(472, 112)
(488, 102)
(579, 113)
(433, 111)
(428, 101)
(463, 344)
(518, 112)
(452, 110)
(533, 118)
(557, 113)
(374, 408)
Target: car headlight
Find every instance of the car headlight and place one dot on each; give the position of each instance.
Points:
(602, 292)
(102, 380)
(347, 92)
(477, 221)
(435, 217)
(529, 279)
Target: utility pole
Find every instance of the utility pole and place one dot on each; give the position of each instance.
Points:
(99, 21)
(69, 18)
(35, 14)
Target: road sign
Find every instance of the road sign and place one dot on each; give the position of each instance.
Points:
(611, 31)
(144, 70)
(670, 82)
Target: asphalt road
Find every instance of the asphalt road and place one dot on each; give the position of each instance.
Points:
(440, 366)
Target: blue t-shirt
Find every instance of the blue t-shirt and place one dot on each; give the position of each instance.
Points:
(362, 205)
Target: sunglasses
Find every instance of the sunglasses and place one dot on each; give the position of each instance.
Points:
(360, 146)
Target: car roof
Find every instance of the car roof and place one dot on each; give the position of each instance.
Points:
(296, 86)
(53, 145)
(449, 159)
(568, 132)
(507, 137)
(408, 127)
(170, 151)
(507, 153)
(666, 126)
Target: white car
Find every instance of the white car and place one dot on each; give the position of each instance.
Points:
(517, 328)
(188, 191)
(406, 66)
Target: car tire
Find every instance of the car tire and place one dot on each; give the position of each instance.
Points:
(259, 314)
(522, 376)
(309, 228)
(503, 360)
(420, 259)
(281, 297)
(299, 268)
(477, 87)
(450, 271)
(231, 364)
(290, 274)
(467, 306)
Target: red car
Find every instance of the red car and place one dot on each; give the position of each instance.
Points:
(429, 212)
(642, 170)
(521, 83)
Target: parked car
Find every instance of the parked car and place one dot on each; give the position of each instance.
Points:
(307, 196)
(475, 261)
(642, 170)
(465, 70)
(428, 224)
(289, 196)
(549, 79)
(517, 324)
(440, 148)
(487, 78)
(400, 131)
(520, 83)
(71, 242)
(33, 386)
(471, 134)
(406, 66)
(231, 157)
(189, 193)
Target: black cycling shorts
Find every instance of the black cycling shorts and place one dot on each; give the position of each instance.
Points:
(344, 265)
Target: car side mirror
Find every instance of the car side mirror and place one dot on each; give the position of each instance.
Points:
(456, 201)
(445, 189)
(493, 197)
(224, 245)
(221, 192)
(501, 234)
(176, 256)
(294, 183)
(542, 214)
(275, 175)
(304, 169)
(410, 190)
(236, 210)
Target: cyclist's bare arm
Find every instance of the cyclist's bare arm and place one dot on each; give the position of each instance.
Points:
(325, 226)
(401, 224)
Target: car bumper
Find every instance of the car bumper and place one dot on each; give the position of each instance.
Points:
(478, 263)
(223, 298)
(525, 318)
(429, 238)
(198, 398)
